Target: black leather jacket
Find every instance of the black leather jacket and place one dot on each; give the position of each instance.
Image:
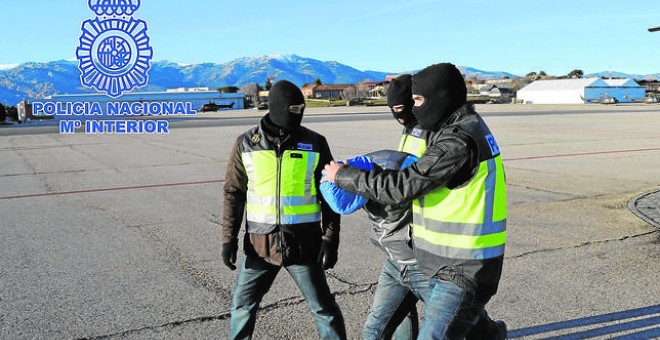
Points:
(391, 224)
(450, 160)
(287, 244)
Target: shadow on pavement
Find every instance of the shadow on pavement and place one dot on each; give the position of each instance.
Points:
(635, 329)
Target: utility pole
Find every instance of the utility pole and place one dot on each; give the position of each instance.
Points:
(654, 29)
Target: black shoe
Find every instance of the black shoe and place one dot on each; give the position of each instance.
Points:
(501, 327)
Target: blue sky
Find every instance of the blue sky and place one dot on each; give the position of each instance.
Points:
(517, 36)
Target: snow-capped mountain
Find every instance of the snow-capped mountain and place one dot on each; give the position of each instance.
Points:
(38, 80)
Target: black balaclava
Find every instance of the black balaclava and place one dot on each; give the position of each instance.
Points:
(282, 95)
(400, 93)
(444, 91)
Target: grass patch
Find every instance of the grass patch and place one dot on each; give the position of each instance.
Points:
(375, 102)
(324, 102)
(342, 102)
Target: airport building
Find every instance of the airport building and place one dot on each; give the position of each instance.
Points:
(331, 91)
(190, 98)
(580, 91)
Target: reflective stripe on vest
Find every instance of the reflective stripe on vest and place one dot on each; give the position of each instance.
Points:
(281, 191)
(465, 223)
(412, 145)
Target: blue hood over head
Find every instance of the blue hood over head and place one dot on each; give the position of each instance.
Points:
(345, 202)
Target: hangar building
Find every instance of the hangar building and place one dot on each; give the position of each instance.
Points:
(572, 91)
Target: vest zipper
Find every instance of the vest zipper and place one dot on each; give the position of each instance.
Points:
(277, 182)
(278, 153)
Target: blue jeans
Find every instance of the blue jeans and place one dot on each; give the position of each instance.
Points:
(395, 302)
(451, 312)
(255, 277)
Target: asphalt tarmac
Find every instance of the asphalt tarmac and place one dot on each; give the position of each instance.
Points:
(118, 236)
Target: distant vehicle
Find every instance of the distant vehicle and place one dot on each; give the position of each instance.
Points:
(355, 102)
(604, 99)
(211, 106)
(645, 100)
(262, 106)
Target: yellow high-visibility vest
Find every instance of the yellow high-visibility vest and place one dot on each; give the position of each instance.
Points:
(280, 190)
(466, 223)
(413, 143)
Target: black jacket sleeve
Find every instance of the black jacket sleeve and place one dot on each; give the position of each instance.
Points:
(443, 160)
(235, 189)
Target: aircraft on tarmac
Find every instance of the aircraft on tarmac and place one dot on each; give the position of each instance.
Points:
(211, 106)
(645, 100)
(604, 99)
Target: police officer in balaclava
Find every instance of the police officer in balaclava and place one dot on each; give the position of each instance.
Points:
(271, 189)
(399, 99)
(458, 188)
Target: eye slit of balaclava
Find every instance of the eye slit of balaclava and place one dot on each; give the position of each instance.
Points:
(296, 109)
(424, 101)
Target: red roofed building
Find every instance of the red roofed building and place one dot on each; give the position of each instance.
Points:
(334, 91)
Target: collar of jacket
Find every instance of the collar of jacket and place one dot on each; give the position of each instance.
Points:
(465, 110)
(273, 133)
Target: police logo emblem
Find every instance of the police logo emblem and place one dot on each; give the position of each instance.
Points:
(304, 146)
(494, 148)
(255, 139)
(114, 53)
